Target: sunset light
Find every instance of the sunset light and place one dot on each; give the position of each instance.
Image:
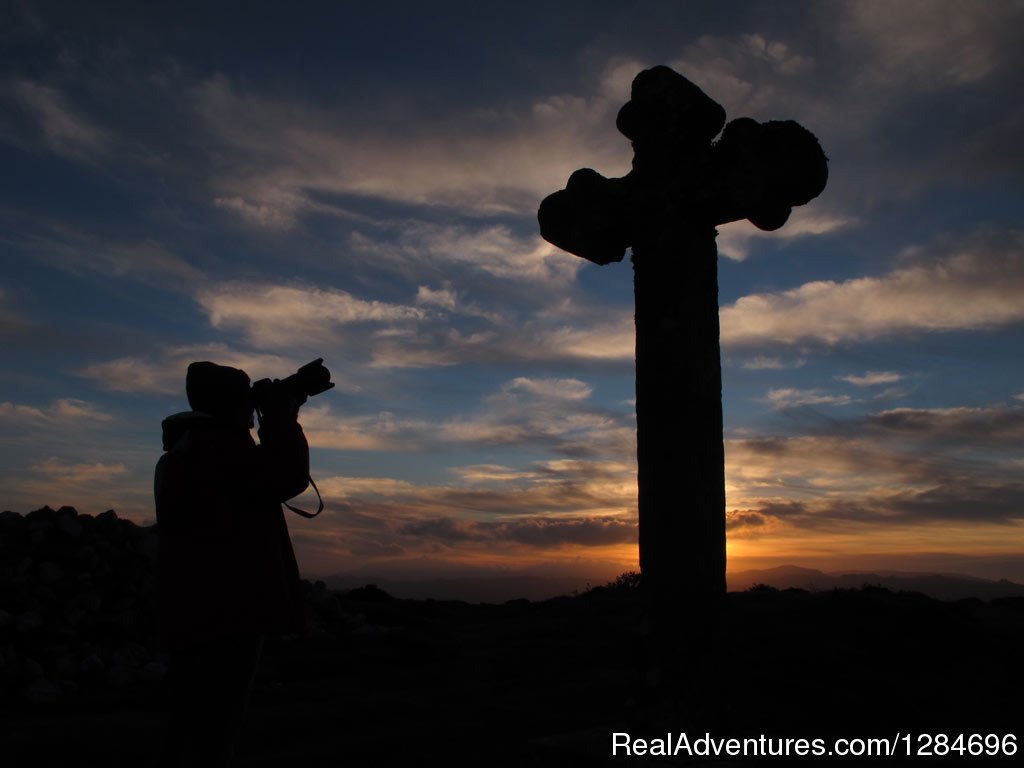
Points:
(168, 202)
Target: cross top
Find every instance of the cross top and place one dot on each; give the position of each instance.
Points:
(755, 171)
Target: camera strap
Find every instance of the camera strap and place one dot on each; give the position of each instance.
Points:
(303, 513)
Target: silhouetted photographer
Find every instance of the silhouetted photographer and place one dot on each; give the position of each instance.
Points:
(228, 574)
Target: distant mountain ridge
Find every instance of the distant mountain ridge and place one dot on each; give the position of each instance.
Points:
(473, 589)
(497, 589)
(942, 586)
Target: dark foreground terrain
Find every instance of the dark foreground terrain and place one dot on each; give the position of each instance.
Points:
(380, 681)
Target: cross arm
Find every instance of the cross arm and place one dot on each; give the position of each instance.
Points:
(588, 218)
(761, 171)
(755, 171)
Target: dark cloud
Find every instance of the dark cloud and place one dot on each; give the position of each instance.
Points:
(375, 549)
(964, 501)
(996, 147)
(594, 532)
(534, 532)
(446, 529)
(1002, 425)
(783, 509)
(903, 466)
(744, 518)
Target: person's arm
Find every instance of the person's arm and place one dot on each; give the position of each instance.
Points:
(283, 452)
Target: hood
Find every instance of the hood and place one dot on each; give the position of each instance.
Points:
(178, 424)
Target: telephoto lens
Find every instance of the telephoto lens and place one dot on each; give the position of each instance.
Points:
(311, 379)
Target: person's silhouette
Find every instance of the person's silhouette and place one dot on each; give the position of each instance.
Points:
(228, 574)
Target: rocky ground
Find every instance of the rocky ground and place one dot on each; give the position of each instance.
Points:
(381, 681)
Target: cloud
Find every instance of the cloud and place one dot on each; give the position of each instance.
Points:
(507, 338)
(492, 249)
(960, 498)
(72, 250)
(586, 499)
(91, 486)
(766, 363)
(279, 316)
(376, 334)
(497, 160)
(439, 327)
(96, 470)
(552, 414)
(64, 130)
(899, 467)
(62, 473)
(737, 239)
(977, 286)
(506, 511)
(577, 486)
(733, 71)
(992, 426)
(146, 260)
(745, 518)
(376, 432)
(291, 157)
(543, 533)
(782, 399)
(164, 372)
(62, 412)
(778, 55)
(955, 65)
(552, 389)
(351, 488)
(956, 500)
(611, 339)
(490, 473)
(863, 76)
(445, 297)
(872, 378)
(11, 321)
(549, 413)
(927, 42)
(773, 75)
(276, 209)
(994, 146)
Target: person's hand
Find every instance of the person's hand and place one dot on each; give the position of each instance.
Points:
(275, 401)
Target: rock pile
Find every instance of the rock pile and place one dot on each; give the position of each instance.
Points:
(77, 605)
(78, 613)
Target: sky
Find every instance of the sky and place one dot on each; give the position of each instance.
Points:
(263, 184)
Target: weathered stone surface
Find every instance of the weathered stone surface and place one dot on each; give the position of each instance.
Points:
(49, 572)
(665, 108)
(77, 598)
(153, 671)
(78, 607)
(120, 676)
(29, 622)
(43, 692)
(755, 171)
(92, 666)
(763, 170)
(68, 524)
(31, 670)
(587, 218)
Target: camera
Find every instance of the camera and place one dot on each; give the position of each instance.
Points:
(311, 379)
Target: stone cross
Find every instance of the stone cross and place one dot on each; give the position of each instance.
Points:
(683, 184)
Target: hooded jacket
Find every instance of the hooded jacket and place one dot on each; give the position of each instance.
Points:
(226, 560)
